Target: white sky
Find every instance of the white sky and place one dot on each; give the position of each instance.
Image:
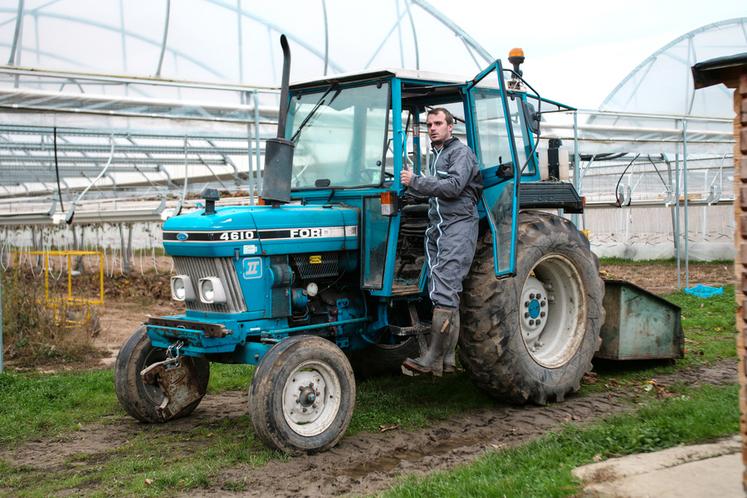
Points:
(578, 50)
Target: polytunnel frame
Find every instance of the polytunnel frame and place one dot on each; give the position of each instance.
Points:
(681, 133)
(16, 48)
(650, 60)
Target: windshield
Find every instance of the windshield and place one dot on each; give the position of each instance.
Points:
(340, 136)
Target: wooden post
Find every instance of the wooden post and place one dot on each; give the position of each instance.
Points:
(740, 204)
(732, 72)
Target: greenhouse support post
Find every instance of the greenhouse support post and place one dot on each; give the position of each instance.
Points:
(576, 163)
(1, 322)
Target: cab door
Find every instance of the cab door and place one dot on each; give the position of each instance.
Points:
(490, 136)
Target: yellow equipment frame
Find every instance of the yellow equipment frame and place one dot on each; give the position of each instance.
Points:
(70, 298)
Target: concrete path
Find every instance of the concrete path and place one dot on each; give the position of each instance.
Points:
(706, 470)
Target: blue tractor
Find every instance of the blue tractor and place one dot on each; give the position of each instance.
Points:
(326, 276)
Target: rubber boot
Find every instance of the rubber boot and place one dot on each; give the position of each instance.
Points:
(450, 365)
(432, 361)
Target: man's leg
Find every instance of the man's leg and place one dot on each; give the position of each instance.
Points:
(431, 357)
(456, 252)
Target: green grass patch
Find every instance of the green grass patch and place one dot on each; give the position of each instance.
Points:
(39, 405)
(419, 401)
(543, 467)
(36, 405)
(151, 463)
(709, 324)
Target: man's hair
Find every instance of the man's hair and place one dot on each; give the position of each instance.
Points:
(449, 116)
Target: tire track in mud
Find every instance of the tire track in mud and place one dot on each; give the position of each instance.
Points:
(363, 463)
(367, 463)
(98, 440)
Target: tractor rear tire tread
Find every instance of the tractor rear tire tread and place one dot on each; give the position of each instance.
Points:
(490, 350)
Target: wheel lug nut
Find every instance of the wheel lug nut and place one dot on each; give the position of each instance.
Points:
(526, 315)
(531, 322)
(538, 322)
(526, 304)
(542, 314)
(531, 296)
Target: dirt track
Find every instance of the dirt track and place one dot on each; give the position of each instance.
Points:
(363, 463)
(121, 316)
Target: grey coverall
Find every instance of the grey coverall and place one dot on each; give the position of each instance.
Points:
(454, 188)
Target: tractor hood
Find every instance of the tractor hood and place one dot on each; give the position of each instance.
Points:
(259, 230)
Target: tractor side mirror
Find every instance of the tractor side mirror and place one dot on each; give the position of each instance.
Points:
(531, 117)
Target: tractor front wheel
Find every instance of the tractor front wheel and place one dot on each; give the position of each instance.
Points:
(302, 396)
(531, 338)
(144, 396)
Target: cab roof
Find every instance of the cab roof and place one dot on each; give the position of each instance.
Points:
(410, 74)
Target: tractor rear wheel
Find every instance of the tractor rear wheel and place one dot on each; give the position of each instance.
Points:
(531, 338)
(302, 396)
(144, 400)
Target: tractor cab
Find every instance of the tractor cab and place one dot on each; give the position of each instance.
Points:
(353, 135)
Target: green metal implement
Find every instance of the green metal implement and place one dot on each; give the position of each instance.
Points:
(639, 325)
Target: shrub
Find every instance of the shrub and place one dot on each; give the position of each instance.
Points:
(36, 333)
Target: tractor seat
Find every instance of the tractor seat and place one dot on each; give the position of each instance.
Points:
(414, 220)
(415, 211)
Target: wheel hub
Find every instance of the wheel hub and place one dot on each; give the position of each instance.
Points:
(308, 395)
(311, 398)
(552, 311)
(534, 311)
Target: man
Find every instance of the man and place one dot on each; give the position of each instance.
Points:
(454, 186)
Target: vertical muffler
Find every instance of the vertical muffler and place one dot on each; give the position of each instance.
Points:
(276, 184)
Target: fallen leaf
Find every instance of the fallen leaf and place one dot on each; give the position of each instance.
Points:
(148, 482)
(597, 457)
(388, 427)
(590, 378)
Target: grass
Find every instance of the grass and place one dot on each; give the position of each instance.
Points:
(543, 467)
(46, 405)
(156, 460)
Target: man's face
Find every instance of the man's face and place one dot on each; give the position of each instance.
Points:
(438, 130)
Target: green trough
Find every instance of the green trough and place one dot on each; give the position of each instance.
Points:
(639, 325)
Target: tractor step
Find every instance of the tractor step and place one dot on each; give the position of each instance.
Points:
(410, 330)
(416, 327)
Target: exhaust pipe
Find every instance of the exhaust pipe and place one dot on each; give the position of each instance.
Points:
(276, 185)
(285, 82)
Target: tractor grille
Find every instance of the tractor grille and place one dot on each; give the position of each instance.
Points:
(197, 268)
(317, 265)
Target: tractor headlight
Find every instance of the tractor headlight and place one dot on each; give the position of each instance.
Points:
(181, 288)
(211, 291)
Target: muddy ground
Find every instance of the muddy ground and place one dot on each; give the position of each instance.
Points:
(364, 463)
